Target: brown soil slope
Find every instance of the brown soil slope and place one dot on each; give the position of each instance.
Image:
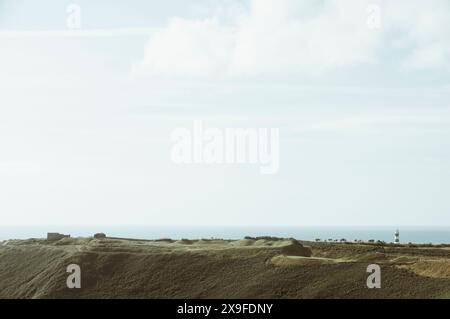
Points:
(250, 268)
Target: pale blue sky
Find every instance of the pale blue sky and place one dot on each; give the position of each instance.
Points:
(364, 114)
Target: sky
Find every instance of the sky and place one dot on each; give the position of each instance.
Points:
(360, 91)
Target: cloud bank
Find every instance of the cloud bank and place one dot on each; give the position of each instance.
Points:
(300, 36)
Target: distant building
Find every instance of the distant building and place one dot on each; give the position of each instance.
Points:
(397, 237)
(56, 236)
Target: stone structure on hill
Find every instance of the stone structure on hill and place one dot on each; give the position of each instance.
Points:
(56, 236)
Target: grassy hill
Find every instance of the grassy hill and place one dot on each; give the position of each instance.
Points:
(249, 268)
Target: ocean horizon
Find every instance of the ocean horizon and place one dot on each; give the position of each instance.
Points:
(413, 234)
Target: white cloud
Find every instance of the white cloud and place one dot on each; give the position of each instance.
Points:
(189, 47)
(424, 28)
(292, 36)
(268, 38)
(334, 36)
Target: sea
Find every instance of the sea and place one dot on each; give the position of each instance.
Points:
(408, 234)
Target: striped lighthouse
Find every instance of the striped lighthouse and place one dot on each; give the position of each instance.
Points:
(397, 237)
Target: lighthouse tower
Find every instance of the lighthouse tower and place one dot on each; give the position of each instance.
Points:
(397, 237)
